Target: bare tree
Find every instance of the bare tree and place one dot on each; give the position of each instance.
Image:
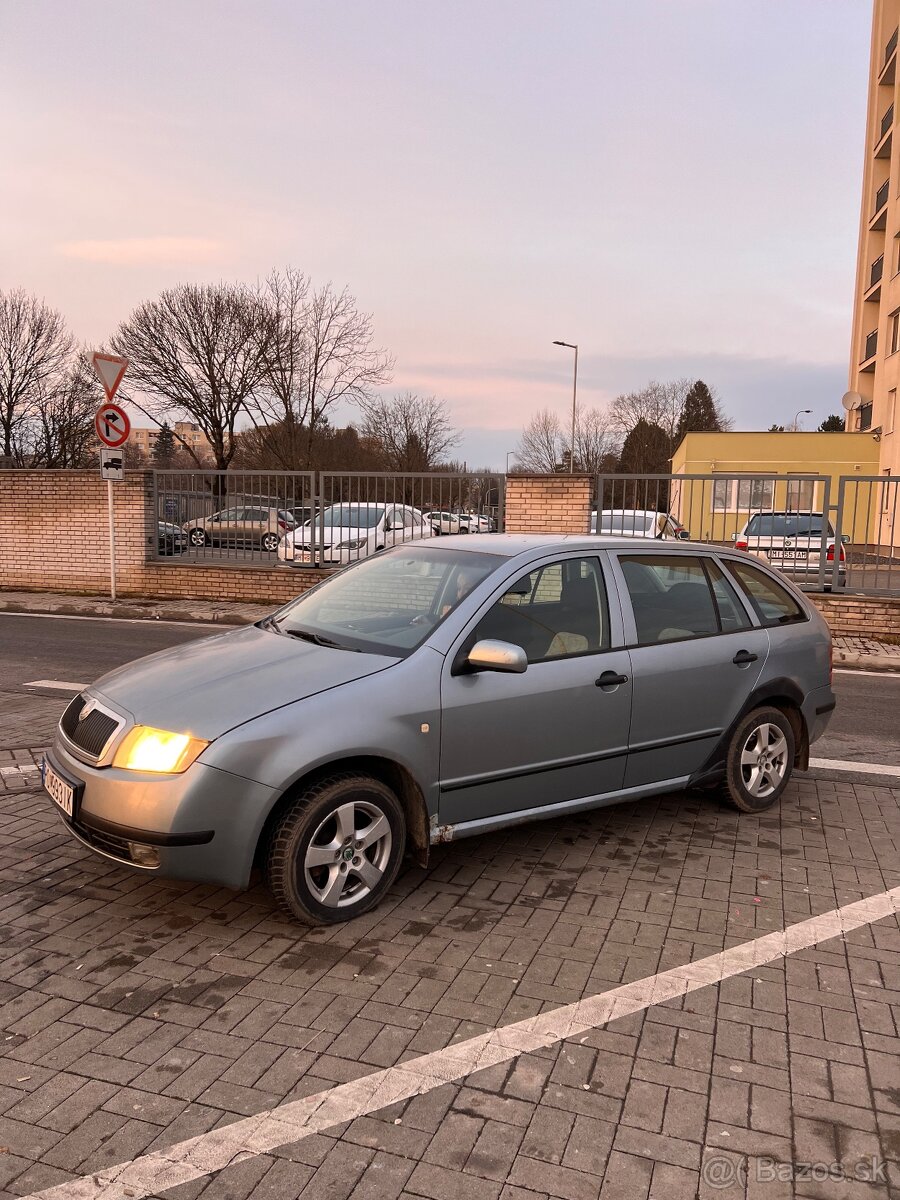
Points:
(200, 350)
(539, 448)
(60, 431)
(659, 404)
(321, 354)
(35, 353)
(595, 440)
(413, 432)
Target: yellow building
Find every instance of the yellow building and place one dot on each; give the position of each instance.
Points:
(875, 341)
(145, 439)
(759, 472)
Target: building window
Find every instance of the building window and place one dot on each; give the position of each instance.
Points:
(741, 495)
(801, 495)
(895, 332)
(865, 417)
(896, 253)
(891, 413)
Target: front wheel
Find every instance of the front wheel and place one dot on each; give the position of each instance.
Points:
(336, 851)
(270, 541)
(760, 760)
(198, 537)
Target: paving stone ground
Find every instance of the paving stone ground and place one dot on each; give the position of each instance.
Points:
(135, 1013)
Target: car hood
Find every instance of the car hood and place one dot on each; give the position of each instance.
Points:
(308, 537)
(209, 686)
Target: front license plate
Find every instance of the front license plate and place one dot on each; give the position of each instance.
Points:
(61, 792)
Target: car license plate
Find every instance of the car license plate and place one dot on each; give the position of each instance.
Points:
(58, 790)
(787, 554)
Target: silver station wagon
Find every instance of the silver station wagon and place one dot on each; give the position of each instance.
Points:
(438, 690)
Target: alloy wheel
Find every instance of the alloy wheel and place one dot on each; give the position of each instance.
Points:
(348, 854)
(764, 760)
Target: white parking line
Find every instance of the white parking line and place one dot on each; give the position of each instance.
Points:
(209, 1152)
(56, 684)
(855, 768)
(872, 674)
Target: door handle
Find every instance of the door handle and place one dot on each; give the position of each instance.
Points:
(744, 658)
(610, 679)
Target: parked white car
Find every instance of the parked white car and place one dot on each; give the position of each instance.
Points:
(352, 531)
(477, 523)
(638, 522)
(792, 542)
(445, 522)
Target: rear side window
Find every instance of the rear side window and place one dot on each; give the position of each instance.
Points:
(670, 597)
(774, 605)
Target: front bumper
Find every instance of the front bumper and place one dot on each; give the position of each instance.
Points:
(204, 825)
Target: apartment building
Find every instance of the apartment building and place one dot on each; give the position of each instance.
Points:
(145, 439)
(875, 345)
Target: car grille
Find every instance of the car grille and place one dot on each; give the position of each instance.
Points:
(106, 842)
(92, 734)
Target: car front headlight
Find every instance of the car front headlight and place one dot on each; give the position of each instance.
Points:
(158, 750)
(353, 544)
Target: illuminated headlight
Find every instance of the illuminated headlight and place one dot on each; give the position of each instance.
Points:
(352, 545)
(147, 749)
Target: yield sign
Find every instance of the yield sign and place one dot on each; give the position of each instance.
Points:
(109, 369)
(112, 425)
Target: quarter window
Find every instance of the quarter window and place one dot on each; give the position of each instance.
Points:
(555, 611)
(774, 605)
(732, 614)
(670, 597)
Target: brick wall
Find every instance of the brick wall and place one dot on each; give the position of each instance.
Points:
(54, 538)
(866, 616)
(548, 503)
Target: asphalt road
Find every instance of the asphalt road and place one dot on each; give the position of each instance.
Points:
(865, 727)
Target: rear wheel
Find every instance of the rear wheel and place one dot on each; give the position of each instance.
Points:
(270, 541)
(197, 537)
(760, 760)
(337, 849)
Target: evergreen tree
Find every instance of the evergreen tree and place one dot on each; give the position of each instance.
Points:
(164, 450)
(832, 424)
(699, 414)
(645, 451)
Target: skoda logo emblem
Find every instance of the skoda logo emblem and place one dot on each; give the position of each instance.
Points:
(348, 854)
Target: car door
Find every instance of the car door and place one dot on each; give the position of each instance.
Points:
(696, 654)
(555, 733)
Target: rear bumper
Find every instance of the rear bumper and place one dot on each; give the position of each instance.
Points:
(817, 709)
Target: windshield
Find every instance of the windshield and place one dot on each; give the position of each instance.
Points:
(352, 516)
(387, 604)
(787, 525)
(625, 522)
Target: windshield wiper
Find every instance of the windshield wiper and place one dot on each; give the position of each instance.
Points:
(318, 639)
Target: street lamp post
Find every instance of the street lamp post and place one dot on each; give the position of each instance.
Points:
(798, 416)
(572, 346)
(508, 453)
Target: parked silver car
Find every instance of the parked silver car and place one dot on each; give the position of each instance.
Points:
(437, 690)
(793, 542)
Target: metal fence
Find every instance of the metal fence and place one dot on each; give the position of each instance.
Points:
(823, 534)
(328, 519)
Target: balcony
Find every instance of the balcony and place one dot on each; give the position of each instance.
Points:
(879, 216)
(888, 71)
(867, 363)
(873, 288)
(883, 145)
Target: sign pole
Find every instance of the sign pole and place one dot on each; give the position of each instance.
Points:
(112, 541)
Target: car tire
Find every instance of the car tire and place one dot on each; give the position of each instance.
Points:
(314, 849)
(270, 542)
(198, 537)
(760, 760)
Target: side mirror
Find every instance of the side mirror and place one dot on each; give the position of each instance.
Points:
(845, 539)
(684, 535)
(492, 655)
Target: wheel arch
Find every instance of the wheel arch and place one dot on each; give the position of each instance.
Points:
(389, 772)
(781, 693)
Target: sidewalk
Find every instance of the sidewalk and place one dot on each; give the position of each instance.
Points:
(864, 653)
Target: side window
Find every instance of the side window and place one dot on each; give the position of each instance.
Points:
(670, 596)
(774, 605)
(732, 614)
(555, 611)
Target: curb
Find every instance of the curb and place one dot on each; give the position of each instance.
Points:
(867, 662)
(128, 612)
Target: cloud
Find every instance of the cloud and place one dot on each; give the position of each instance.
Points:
(128, 252)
